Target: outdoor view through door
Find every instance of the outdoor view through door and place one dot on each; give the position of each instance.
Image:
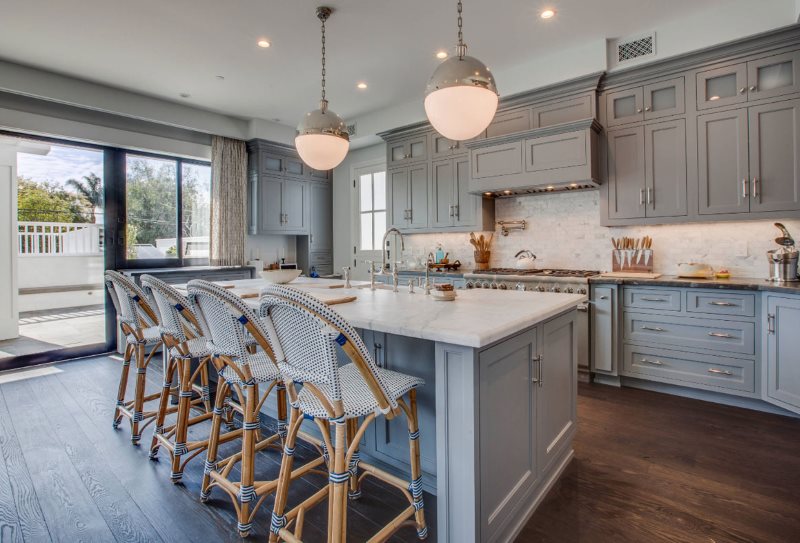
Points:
(60, 248)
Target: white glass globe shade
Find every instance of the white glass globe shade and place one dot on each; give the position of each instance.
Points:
(462, 112)
(321, 151)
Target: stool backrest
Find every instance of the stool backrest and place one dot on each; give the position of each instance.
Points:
(228, 319)
(307, 332)
(174, 310)
(131, 302)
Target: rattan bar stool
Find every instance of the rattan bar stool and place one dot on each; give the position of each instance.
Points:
(183, 334)
(230, 325)
(305, 334)
(139, 324)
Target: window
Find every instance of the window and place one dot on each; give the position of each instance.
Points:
(167, 206)
(372, 209)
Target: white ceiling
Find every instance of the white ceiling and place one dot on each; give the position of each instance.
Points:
(165, 48)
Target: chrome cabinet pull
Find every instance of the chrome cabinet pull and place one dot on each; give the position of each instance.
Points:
(647, 299)
(451, 210)
(653, 362)
(653, 328)
(455, 211)
(753, 88)
(723, 304)
(722, 335)
(771, 323)
(744, 188)
(604, 297)
(378, 349)
(719, 372)
(641, 197)
(638, 110)
(537, 361)
(743, 90)
(757, 189)
(647, 108)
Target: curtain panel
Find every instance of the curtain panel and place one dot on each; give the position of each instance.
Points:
(228, 201)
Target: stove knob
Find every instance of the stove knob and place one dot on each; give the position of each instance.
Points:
(541, 288)
(486, 285)
(569, 290)
(555, 289)
(503, 286)
(494, 285)
(581, 291)
(519, 286)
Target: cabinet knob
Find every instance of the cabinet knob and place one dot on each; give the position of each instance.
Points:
(639, 110)
(742, 90)
(753, 88)
(647, 108)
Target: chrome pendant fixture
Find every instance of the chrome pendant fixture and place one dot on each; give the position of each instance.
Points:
(322, 139)
(461, 96)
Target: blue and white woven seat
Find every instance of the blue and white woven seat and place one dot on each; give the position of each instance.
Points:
(196, 348)
(307, 338)
(150, 336)
(262, 368)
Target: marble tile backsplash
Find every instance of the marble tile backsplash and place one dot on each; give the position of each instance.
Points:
(564, 232)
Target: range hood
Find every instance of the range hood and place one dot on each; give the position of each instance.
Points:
(562, 157)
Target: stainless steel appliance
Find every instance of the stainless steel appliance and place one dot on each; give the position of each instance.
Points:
(544, 280)
(783, 261)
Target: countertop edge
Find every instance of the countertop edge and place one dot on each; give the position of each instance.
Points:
(745, 283)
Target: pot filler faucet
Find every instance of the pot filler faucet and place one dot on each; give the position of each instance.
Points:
(383, 247)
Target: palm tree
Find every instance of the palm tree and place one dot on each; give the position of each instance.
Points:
(91, 189)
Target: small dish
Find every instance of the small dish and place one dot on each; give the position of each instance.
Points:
(444, 295)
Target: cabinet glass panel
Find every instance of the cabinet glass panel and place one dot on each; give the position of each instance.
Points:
(723, 86)
(775, 76)
(663, 99)
(624, 106)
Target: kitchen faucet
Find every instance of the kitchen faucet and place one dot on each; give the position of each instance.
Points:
(392, 230)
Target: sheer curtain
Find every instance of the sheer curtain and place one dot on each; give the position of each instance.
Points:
(228, 201)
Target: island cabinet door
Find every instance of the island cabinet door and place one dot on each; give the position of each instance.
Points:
(412, 357)
(557, 389)
(783, 352)
(507, 422)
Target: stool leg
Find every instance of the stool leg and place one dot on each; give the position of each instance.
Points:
(416, 472)
(354, 491)
(204, 383)
(281, 402)
(213, 439)
(184, 366)
(285, 476)
(123, 384)
(337, 487)
(169, 371)
(138, 402)
(250, 430)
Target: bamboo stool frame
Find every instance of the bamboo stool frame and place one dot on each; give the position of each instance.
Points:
(344, 483)
(217, 471)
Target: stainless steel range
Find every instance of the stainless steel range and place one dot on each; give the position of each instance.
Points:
(544, 280)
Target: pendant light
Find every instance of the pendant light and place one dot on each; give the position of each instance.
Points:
(461, 97)
(322, 139)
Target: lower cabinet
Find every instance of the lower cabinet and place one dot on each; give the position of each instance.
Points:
(527, 393)
(781, 381)
(603, 329)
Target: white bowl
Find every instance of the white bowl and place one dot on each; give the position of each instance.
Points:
(280, 276)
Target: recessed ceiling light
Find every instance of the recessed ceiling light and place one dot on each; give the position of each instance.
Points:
(221, 77)
(547, 14)
(185, 95)
(441, 54)
(362, 85)
(264, 43)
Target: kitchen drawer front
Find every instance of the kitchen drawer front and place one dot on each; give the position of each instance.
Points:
(689, 369)
(497, 160)
(721, 303)
(686, 332)
(649, 298)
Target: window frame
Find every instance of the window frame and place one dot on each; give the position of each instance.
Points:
(357, 170)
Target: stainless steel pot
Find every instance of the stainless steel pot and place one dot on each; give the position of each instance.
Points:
(783, 265)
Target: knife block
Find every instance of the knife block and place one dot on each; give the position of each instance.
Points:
(632, 260)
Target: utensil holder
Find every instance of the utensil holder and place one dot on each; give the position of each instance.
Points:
(482, 260)
(633, 260)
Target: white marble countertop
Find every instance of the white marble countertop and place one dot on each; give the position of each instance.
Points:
(475, 319)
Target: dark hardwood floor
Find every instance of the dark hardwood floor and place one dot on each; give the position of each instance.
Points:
(652, 467)
(648, 468)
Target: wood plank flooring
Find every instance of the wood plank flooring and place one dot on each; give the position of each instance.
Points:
(648, 467)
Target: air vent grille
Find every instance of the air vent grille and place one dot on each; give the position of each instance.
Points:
(351, 129)
(642, 46)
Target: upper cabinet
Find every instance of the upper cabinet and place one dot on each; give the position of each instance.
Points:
(758, 79)
(652, 101)
(408, 197)
(509, 122)
(452, 206)
(406, 151)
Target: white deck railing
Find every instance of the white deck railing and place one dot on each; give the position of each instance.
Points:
(59, 238)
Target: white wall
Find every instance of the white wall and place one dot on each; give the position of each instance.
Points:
(342, 205)
(797, 10)
(52, 271)
(271, 249)
(564, 232)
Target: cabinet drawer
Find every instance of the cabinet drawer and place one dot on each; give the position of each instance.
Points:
(721, 303)
(706, 371)
(497, 160)
(648, 298)
(719, 335)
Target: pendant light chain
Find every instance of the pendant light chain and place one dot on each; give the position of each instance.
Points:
(323, 59)
(461, 48)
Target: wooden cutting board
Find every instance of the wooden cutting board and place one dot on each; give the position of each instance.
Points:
(630, 275)
(245, 293)
(333, 299)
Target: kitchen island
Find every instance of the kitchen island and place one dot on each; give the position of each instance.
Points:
(497, 412)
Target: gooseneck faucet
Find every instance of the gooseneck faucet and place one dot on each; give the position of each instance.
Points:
(392, 230)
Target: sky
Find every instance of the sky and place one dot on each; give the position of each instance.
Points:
(61, 164)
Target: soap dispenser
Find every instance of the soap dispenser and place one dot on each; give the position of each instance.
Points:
(439, 253)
